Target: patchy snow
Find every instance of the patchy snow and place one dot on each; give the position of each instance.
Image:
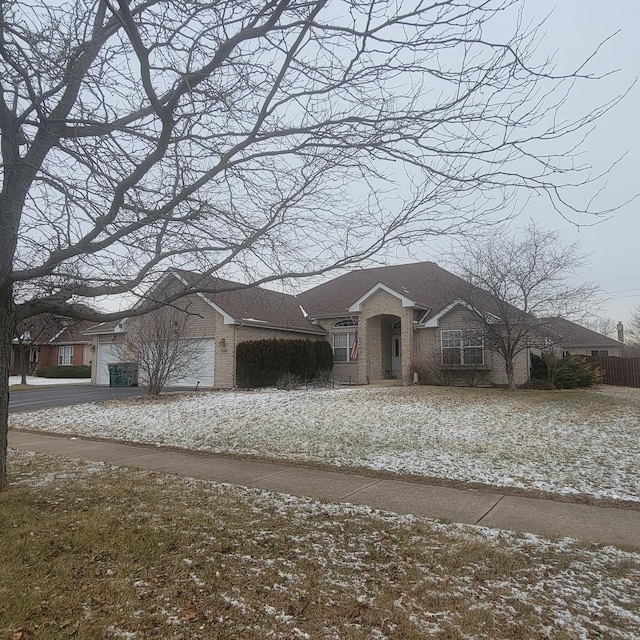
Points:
(36, 381)
(569, 443)
(443, 578)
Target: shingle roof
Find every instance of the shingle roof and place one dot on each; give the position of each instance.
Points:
(427, 284)
(72, 333)
(102, 327)
(253, 305)
(575, 335)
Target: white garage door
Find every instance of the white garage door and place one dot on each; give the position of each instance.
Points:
(200, 369)
(106, 353)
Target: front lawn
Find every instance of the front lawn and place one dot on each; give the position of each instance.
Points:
(567, 442)
(91, 551)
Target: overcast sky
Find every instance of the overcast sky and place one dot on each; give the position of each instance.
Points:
(573, 30)
(574, 27)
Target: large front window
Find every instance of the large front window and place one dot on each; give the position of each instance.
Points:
(462, 347)
(345, 347)
(65, 354)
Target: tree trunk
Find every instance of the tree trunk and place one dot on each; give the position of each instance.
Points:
(23, 364)
(6, 335)
(511, 376)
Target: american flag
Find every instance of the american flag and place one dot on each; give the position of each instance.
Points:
(354, 348)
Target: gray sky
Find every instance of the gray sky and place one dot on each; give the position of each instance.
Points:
(574, 28)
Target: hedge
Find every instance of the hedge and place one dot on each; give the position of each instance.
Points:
(65, 371)
(259, 363)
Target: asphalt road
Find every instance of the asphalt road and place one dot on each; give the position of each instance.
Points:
(60, 396)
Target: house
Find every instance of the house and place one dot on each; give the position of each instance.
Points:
(59, 342)
(407, 318)
(218, 321)
(570, 338)
(383, 323)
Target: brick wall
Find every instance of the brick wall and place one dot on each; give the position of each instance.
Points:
(428, 353)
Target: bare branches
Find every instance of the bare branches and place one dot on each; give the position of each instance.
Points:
(273, 139)
(519, 283)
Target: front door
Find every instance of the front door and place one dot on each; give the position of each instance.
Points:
(396, 357)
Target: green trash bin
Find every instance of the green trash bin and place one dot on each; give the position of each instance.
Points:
(123, 374)
(128, 374)
(114, 375)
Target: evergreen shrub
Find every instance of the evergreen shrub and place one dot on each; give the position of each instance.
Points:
(261, 363)
(571, 372)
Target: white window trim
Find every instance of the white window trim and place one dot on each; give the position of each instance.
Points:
(461, 347)
(350, 341)
(346, 322)
(63, 350)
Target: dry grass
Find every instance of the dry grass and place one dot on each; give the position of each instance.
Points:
(90, 551)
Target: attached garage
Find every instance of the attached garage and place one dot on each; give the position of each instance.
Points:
(200, 369)
(106, 353)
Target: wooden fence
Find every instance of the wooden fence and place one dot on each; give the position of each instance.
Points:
(620, 371)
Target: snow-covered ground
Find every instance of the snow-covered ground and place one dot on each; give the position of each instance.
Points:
(563, 442)
(299, 568)
(35, 380)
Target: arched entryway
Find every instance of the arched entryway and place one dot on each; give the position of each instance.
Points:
(384, 347)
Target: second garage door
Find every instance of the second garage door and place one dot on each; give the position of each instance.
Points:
(200, 370)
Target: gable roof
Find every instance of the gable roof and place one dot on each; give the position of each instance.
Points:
(251, 305)
(426, 284)
(575, 335)
(72, 333)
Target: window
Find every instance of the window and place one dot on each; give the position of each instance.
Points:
(65, 354)
(33, 355)
(602, 353)
(343, 347)
(462, 347)
(348, 322)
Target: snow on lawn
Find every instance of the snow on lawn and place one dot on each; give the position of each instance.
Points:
(563, 442)
(248, 563)
(35, 380)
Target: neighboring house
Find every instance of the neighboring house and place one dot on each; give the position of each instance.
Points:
(569, 338)
(383, 323)
(54, 345)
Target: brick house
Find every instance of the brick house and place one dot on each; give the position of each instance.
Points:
(63, 345)
(383, 323)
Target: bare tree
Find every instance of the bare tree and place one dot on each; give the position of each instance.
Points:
(632, 335)
(602, 324)
(162, 346)
(277, 138)
(518, 284)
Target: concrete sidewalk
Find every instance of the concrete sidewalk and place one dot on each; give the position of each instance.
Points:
(544, 517)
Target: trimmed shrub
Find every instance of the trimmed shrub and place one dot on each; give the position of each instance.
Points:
(538, 368)
(260, 363)
(65, 371)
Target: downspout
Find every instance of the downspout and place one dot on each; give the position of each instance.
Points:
(235, 344)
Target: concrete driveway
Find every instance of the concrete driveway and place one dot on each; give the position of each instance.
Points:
(33, 399)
